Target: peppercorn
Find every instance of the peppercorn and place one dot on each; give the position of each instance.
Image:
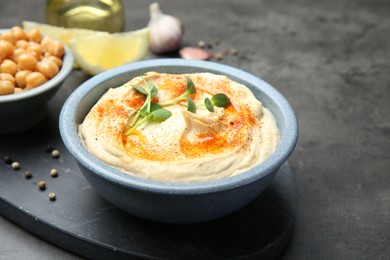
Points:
(15, 165)
(42, 185)
(27, 174)
(54, 173)
(55, 153)
(7, 159)
(52, 196)
(49, 149)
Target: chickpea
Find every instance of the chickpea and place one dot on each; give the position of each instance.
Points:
(36, 50)
(17, 53)
(18, 90)
(48, 68)
(56, 48)
(34, 35)
(8, 66)
(46, 42)
(6, 87)
(7, 76)
(22, 44)
(20, 78)
(55, 59)
(19, 33)
(34, 79)
(6, 49)
(27, 61)
(9, 37)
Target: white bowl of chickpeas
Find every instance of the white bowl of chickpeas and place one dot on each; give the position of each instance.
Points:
(32, 68)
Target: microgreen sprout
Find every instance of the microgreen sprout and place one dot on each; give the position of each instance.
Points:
(156, 112)
(149, 111)
(208, 105)
(190, 89)
(218, 100)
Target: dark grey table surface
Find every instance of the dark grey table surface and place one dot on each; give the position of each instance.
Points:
(331, 59)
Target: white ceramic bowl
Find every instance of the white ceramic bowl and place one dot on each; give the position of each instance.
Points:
(175, 202)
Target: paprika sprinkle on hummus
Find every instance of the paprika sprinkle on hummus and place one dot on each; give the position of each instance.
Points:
(180, 127)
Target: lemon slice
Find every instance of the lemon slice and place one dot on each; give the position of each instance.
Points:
(61, 33)
(95, 54)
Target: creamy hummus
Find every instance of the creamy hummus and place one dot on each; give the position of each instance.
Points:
(186, 147)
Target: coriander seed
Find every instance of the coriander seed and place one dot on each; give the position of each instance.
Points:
(52, 196)
(55, 153)
(42, 185)
(15, 165)
(218, 56)
(54, 173)
(27, 174)
(201, 44)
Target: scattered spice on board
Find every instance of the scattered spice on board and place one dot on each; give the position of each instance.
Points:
(15, 165)
(49, 149)
(27, 174)
(54, 173)
(42, 185)
(7, 160)
(55, 154)
(52, 196)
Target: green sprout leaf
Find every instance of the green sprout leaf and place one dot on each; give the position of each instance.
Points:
(190, 87)
(152, 89)
(209, 105)
(155, 106)
(140, 89)
(143, 111)
(154, 111)
(220, 100)
(161, 114)
(191, 105)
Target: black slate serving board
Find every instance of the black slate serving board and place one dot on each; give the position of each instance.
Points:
(82, 222)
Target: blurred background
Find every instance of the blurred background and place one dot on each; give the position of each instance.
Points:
(331, 59)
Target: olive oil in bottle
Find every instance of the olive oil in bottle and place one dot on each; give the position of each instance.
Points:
(100, 15)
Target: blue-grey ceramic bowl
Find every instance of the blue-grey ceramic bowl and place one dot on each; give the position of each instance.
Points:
(22, 111)
(175, 202)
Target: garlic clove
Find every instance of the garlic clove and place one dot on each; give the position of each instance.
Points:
(165, 31)
(193, 53)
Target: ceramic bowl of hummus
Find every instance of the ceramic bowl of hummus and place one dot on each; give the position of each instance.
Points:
(178, 141)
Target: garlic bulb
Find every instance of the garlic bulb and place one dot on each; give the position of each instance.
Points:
(166, 31)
